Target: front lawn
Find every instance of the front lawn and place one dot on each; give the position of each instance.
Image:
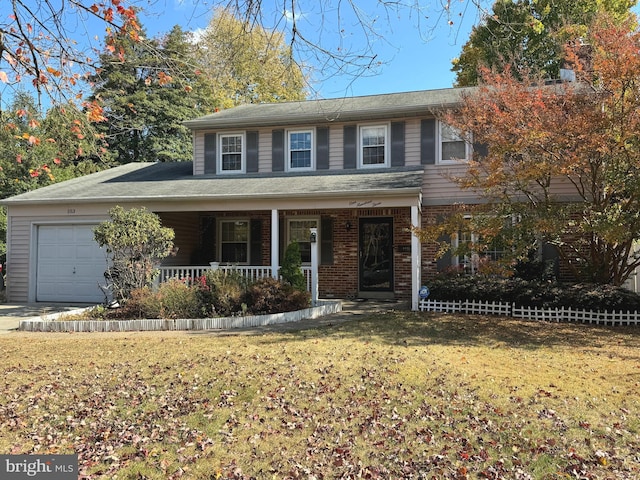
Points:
(391, 395)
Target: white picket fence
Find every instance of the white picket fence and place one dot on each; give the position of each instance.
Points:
(189, 274)
(531, 313)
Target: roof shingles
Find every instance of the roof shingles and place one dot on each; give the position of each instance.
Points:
(175, 181)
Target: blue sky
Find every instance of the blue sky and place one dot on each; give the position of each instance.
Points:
(414, 53)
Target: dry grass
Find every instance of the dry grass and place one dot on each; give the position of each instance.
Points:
(391, 395)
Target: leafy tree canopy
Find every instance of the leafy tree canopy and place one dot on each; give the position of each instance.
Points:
(248, 64)
(529, 35)
(37, 150)
(563, 161)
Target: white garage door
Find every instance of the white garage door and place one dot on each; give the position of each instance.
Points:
(70, 265)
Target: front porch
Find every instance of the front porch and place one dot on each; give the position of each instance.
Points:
(362, 252)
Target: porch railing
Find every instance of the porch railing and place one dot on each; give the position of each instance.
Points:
(189, 274)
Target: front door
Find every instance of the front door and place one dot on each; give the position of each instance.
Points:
(376, 254)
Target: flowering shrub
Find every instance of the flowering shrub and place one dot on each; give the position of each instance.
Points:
(216, 294)
(220, 292)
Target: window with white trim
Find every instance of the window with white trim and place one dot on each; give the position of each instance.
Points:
(453, 146)
(231, 153)
(298, 230)
(300, 150)
(470, 257)
(374, 146)
(234, 241)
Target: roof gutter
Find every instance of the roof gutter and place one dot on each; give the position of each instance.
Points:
(387, 193)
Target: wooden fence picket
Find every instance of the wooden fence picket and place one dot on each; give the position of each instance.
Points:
(559, 314)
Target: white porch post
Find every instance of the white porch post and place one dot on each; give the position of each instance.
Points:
(314, 266)
(416, 259)
(275, 242)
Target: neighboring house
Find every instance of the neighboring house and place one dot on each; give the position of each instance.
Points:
(362, 170)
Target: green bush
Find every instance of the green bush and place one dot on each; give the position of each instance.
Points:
(534, 293)
(269, 295)
(291, 270)
(135, 242)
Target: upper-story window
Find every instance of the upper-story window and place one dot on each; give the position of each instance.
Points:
(300, 150)
(453, 146)
(232, 151)
(374, 141)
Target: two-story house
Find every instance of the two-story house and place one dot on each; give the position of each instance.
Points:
(362, 170)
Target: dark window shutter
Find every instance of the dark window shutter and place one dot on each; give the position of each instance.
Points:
(481, 149)
(397, 144)
(444, 262)
(326, 241)
(428, 141)
(252, 152)
(322, 148)
(350, 146)
(277, 151)
(209, 153)
(255, 252)
(207, 249)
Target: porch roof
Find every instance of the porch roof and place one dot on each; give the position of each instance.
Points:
(139, 182)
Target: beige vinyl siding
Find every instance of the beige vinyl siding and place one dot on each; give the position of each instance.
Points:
(412, 143)
(336, 137)
(19, 240)
(198, 153)
(265, 142)
(336, 154)
(439, 189)
(563, 188)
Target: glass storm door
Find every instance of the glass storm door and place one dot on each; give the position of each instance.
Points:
(376, 254)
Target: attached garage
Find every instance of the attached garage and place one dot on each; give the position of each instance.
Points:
(70, 264)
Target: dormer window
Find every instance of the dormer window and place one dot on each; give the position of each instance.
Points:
(232, 151)
(300, 150)
(374, 141)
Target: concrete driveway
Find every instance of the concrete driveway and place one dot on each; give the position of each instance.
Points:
(11, 314)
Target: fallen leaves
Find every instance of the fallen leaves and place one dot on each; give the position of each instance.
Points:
(323, 404)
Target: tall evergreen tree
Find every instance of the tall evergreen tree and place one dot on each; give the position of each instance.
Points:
(147, 89)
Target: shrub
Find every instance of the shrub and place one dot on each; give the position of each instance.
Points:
(269, 295)
(177, 300)
(135, 242)
(220, 293)
(291, 270)
(142, 303)
(535, 293)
